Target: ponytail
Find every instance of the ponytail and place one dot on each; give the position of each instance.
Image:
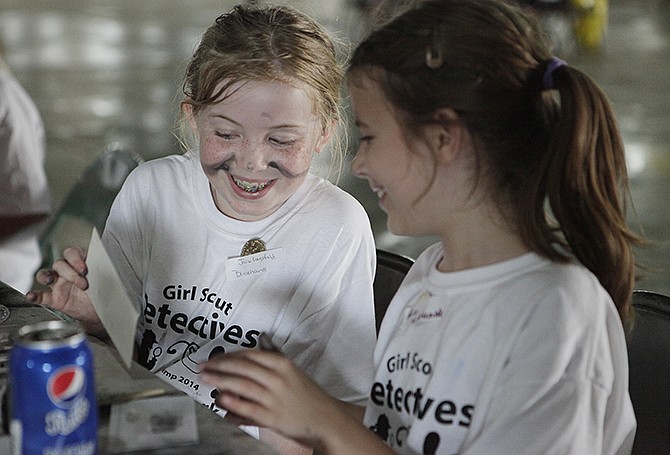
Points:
(587, 185)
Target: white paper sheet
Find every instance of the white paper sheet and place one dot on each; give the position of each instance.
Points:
(155, 423)
(110, 299)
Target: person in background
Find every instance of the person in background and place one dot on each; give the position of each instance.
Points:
(237, 237)
(508, 335)
(25, 197)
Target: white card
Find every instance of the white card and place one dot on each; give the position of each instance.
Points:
(110, 299)
(255, 265)
(153, 423)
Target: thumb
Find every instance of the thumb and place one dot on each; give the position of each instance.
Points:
(39, 297)
(46, 277)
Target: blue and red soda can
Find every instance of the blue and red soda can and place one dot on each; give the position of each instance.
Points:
(52, 384)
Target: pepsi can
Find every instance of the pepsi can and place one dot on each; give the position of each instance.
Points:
(53, 405)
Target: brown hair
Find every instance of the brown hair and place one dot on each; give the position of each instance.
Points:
(267, 43)
(554, 153)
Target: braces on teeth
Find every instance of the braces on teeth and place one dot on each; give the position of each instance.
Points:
(250, 187)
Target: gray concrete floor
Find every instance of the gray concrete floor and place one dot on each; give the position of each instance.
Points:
(104, 71)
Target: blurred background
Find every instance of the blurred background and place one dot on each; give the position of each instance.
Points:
(108, 72)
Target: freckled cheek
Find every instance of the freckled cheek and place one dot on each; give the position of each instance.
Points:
(295, 159)
(212, 152)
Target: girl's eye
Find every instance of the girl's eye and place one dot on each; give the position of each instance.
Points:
(282, 143)
(364, 143)
(226, 136)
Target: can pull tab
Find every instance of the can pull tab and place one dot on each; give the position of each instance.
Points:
(4, 313)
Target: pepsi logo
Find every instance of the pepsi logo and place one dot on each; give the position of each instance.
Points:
(65, 384)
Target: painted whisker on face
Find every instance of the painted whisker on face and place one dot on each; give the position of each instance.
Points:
(225, 166)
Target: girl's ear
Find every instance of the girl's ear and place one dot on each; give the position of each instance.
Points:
(326, 134)
(446, 135)
(187, 111)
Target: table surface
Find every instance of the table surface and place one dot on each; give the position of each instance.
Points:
(115, 384)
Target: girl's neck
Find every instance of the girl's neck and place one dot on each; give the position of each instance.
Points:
(482, 239)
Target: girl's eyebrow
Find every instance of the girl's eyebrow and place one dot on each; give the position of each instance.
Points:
(286, 126)
(228, 119)
(282, 126)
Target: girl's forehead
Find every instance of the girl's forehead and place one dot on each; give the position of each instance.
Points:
(265, 105)
(367, 93)
(276, 95)
(366, 76)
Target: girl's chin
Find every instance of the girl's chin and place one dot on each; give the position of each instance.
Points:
(401, 226)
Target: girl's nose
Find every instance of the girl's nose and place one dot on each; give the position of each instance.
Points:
(253, 157)
(357, 166)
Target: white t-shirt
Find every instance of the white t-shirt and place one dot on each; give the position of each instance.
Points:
(23, 182)
(520, 357)
(180, 260)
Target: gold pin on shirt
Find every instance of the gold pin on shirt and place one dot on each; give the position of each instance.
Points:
(253, 246)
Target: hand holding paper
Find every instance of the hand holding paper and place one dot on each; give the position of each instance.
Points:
(110, 299)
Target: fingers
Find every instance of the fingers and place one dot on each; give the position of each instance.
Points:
(233, 371)
(246, 386)
(64, 270)
(71, 267)
(259, 366)
(46, 277)
(236, 420)
(266, 388)
(76, 259)
(39, 297)
(242, 411)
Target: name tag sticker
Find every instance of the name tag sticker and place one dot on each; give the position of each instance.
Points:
(255, 264)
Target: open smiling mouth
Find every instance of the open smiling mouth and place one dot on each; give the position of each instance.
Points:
(251, 187)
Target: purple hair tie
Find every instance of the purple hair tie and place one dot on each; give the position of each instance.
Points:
(548, 78)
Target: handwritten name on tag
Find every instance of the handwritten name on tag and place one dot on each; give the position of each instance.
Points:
(255, 264)
(423, 310)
